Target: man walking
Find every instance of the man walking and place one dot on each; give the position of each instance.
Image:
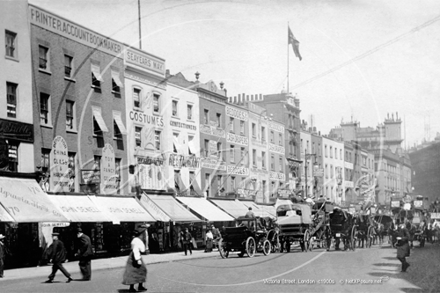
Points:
(403, 246)
(57, 257)
(187, 237)
(85, 255)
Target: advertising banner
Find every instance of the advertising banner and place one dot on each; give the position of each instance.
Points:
(108, 172)
(59, 166)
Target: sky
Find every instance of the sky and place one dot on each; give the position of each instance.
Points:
(244, 44)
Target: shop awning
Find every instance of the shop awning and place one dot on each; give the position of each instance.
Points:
(97, 114)
(79, 208)
(205, 209)
(258, 210)
(123, 209)
(118, 120)
(4, 215)
(26, 202)
(233, 207)
(116, 79)
(153, 209)
(173, 208)
(176, 144)
(96, 71)
(192, 147)
(268, 211)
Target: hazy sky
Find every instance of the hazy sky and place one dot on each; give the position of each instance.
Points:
(244, 44)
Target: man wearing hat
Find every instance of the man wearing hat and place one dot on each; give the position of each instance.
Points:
(84, 255)
(57, 257)
(2, 254)
(250, 213)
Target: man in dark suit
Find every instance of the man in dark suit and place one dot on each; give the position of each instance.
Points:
(84, 255)
(57, 255)
(2, 254)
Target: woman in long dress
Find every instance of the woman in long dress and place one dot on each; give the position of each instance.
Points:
(135, 269)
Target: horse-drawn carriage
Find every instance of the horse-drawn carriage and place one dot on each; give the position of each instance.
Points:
(366, 230)
(249, 236)
(341, 227)
(295, 225)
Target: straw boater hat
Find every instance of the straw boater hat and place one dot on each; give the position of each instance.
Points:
(2, 236)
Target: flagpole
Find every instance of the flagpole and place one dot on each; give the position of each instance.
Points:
(139, 22)
(287, 58)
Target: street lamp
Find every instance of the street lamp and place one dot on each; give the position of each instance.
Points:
(306, 157)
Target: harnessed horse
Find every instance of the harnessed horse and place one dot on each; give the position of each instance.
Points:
(341, 223)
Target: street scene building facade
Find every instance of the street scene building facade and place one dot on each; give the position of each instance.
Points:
(112, 140)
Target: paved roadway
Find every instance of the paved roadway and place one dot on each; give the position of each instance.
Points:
(316, 271)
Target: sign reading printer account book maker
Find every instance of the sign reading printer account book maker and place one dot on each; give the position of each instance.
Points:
(59, 166)
(108, 172)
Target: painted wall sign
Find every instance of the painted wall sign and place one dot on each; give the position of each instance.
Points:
(237, 170)
(183, 125)
(278, 176)
(276, 148)
(181, 161)
(237, 113)
(151, 177)
(212, 164)
(237, 139)
(109, 178)
(276, 127)
(145, 60)
(141, 117)
(59, 166)
(73, 31)
(16, 130)
(207, 129)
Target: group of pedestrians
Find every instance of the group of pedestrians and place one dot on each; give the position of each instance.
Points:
(57, 256)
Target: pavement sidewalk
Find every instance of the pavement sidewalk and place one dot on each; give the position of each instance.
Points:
(103, 264)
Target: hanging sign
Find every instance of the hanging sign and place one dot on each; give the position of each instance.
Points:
(108, 170)
(59, 166)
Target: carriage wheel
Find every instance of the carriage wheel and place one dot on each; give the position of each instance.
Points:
(370, 237)
(250, 246)
(224, 253)
(267, 247)
(353, 238)
(306, 240)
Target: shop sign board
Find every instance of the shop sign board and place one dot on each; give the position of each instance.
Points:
(237, 139)
(236, 170)
(395, 203)
(151, 177)
(435, 215)
(108, 171)
(59, 166)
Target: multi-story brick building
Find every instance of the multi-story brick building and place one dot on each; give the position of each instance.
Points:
(283, 108)
(213, 129)
(79, 106)
(16, 114)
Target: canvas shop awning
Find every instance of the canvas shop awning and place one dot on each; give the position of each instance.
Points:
(205, 209)
(80, 208)
(97, 114)
(123, 209)
(233, 207)
(173, 209)
(26, 202)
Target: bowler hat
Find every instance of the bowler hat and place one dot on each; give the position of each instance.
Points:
(55, 234)
(79, 230)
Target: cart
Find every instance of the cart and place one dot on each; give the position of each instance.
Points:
(341, 227)
(248, 237)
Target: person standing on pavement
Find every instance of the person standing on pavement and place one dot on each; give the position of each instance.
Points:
(85, 255)
(57, 257)
(209, 238)
(403, 246)
(187, 237)
(135, 269)
(2, 255)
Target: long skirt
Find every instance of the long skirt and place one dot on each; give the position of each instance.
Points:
(134, 274)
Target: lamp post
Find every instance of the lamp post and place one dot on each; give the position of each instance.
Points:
(306, 158)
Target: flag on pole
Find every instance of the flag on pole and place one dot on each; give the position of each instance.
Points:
(295, 44)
